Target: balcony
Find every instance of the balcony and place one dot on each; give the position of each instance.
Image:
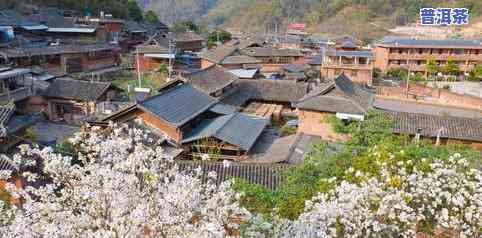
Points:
(425, 56)
(348, 66)
(17, 95)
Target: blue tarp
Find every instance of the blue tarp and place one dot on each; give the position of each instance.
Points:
(6, 34)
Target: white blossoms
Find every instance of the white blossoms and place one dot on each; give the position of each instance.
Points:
(447, 201)
(119, 187)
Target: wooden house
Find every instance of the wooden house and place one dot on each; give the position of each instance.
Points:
(71, 100)
(196, 122)
(272, 59)
(14, 84)
(65, 58)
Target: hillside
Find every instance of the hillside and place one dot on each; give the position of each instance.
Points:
(362, 18)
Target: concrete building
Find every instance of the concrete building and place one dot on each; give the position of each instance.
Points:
(413, 54)
(356, 64)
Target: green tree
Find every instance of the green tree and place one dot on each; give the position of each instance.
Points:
(476, 73)
(218, 35)
(184, 26)
(432, 67)
(151, 16)
(398, 73)
(135, 12)
(451, 68)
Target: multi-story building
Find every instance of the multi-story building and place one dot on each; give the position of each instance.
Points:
(413, 54)
(357, 64)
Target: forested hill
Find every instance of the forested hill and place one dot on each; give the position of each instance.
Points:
(365, 18)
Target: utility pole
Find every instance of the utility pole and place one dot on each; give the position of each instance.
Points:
(138, 68)
(171, 48)
(408, 79)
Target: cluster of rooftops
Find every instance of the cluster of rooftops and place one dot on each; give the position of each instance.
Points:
(210, 102)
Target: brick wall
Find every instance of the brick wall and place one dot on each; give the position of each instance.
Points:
(432, 95)
(150, 64)
(173, 133)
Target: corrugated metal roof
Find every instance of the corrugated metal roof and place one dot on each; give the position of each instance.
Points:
(35, 27)
(14, 73)
(161, 56)
(72, 30)
(179, 104)
(236, 129)
(244, 73)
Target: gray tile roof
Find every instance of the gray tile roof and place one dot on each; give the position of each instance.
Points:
(187, 36)
(6, 112)
(354, 91)
(76, 89)
(270, 51)
(6, 164)
(364, 54)
(240, 59)
(223, 109)
(424, 108)
(452, 127)
(293, 68)
(218, 54)
(211, 79)
(330, 104)
(12, 18)
(267, 90)
(415, 42)
(178, 104)
(269, 176)
(53, 50)
(237, 129)
(315, 60)
(341, 95)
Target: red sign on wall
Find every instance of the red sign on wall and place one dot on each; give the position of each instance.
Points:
(297, 26)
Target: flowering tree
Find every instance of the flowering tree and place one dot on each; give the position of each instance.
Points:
(120, 184)
(442, 200)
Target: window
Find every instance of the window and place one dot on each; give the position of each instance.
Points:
(354, 73)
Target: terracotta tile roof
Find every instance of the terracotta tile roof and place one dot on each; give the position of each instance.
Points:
(269, 176)
(451, 127)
